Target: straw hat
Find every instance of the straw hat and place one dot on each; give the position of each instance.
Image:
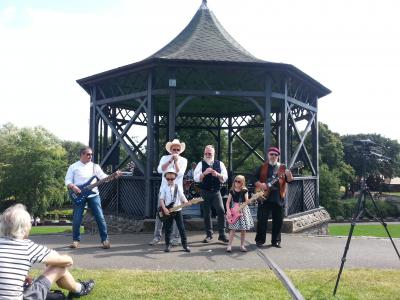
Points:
(175, 142)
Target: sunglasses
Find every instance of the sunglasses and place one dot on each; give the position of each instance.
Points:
(169, 179)
(238, 181)
(273, 154)
(207, 153)
(89, 154)
(176, 150)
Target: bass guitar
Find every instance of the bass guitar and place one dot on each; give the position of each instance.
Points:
(172, 209)
(280, 175)
(87, 187)
(236, 210)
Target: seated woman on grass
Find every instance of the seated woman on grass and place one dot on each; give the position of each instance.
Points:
(18, 253)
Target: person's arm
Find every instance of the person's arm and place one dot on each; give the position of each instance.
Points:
(69, 180)
(258, 184)
(162, 202)
(69, 177)
(99, 172)
(288, 175)
(165, 162)
(183, 198)
(223, 176)
(57, 260)
(228, 204)
(180, 166)
(246, 198)
(197, 173)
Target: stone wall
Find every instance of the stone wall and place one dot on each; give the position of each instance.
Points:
(311, 222)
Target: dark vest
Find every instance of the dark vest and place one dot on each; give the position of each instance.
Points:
(211, 183)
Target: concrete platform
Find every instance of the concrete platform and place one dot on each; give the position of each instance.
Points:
(131, 251)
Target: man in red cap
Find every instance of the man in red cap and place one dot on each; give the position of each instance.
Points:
(268, 173)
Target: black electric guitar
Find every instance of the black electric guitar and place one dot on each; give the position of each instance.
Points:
(172, 209)
(87, 187)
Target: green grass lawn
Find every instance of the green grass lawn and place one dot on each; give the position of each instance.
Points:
(36, 230)
(365, 230)
(366, 284)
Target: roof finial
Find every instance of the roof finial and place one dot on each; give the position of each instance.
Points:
(204, 4)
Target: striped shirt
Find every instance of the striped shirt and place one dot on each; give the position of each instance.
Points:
(16, 259)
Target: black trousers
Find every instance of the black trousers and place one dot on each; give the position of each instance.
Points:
(213, 199)
(177, 216)
(263, 212)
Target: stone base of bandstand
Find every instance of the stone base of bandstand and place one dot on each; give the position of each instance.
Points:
(314, 221)
(310, 222)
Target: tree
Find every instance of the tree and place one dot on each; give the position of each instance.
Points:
(72, 150)
(32, 167)
(329, 186)
(374, 165)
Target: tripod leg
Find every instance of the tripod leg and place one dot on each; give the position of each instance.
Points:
(381, 220)
(356, 216)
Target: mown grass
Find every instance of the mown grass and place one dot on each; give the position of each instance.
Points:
(37, 230)
(366, 284)
(376, 230)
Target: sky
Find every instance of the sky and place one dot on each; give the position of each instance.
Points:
(351, 47)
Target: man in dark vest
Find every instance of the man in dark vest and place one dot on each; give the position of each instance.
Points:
(274, 202)
(211, 173)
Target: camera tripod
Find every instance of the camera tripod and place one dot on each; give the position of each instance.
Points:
(360, 210)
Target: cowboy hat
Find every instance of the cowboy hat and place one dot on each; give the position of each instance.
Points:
(170, 170)
(175, 142)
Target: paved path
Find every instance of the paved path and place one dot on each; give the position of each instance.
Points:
(131, 251)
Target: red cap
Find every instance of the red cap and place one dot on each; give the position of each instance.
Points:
(274, 149)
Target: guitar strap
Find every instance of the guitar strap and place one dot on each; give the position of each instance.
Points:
(174, 196)
(175, 193)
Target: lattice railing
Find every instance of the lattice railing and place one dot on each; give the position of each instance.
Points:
(126, 196)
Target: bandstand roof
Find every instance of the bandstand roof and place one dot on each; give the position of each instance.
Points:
(205, 42)
(204, 39)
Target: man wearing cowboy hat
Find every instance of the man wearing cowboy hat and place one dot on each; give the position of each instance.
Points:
(173, 161)
(211, 173)
(274, 203)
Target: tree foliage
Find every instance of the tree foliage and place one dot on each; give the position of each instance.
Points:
(32, 167)
(374, 165)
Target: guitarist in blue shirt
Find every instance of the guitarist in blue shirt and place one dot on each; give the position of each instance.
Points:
(78, 174)
(274, 202)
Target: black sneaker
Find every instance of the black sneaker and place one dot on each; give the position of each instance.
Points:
(87, 287)
(223, 238)
(276, 245)
(207, 239)
(167, 248)
(187, 249)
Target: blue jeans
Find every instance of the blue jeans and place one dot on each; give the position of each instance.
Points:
(94, 204)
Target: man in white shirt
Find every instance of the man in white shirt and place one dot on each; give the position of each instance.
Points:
(79, 173)
(211, 173)
(18, 254)
(178, 164)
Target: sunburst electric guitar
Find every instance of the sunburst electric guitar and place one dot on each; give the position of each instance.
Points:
(280, 175)
(172, 209)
